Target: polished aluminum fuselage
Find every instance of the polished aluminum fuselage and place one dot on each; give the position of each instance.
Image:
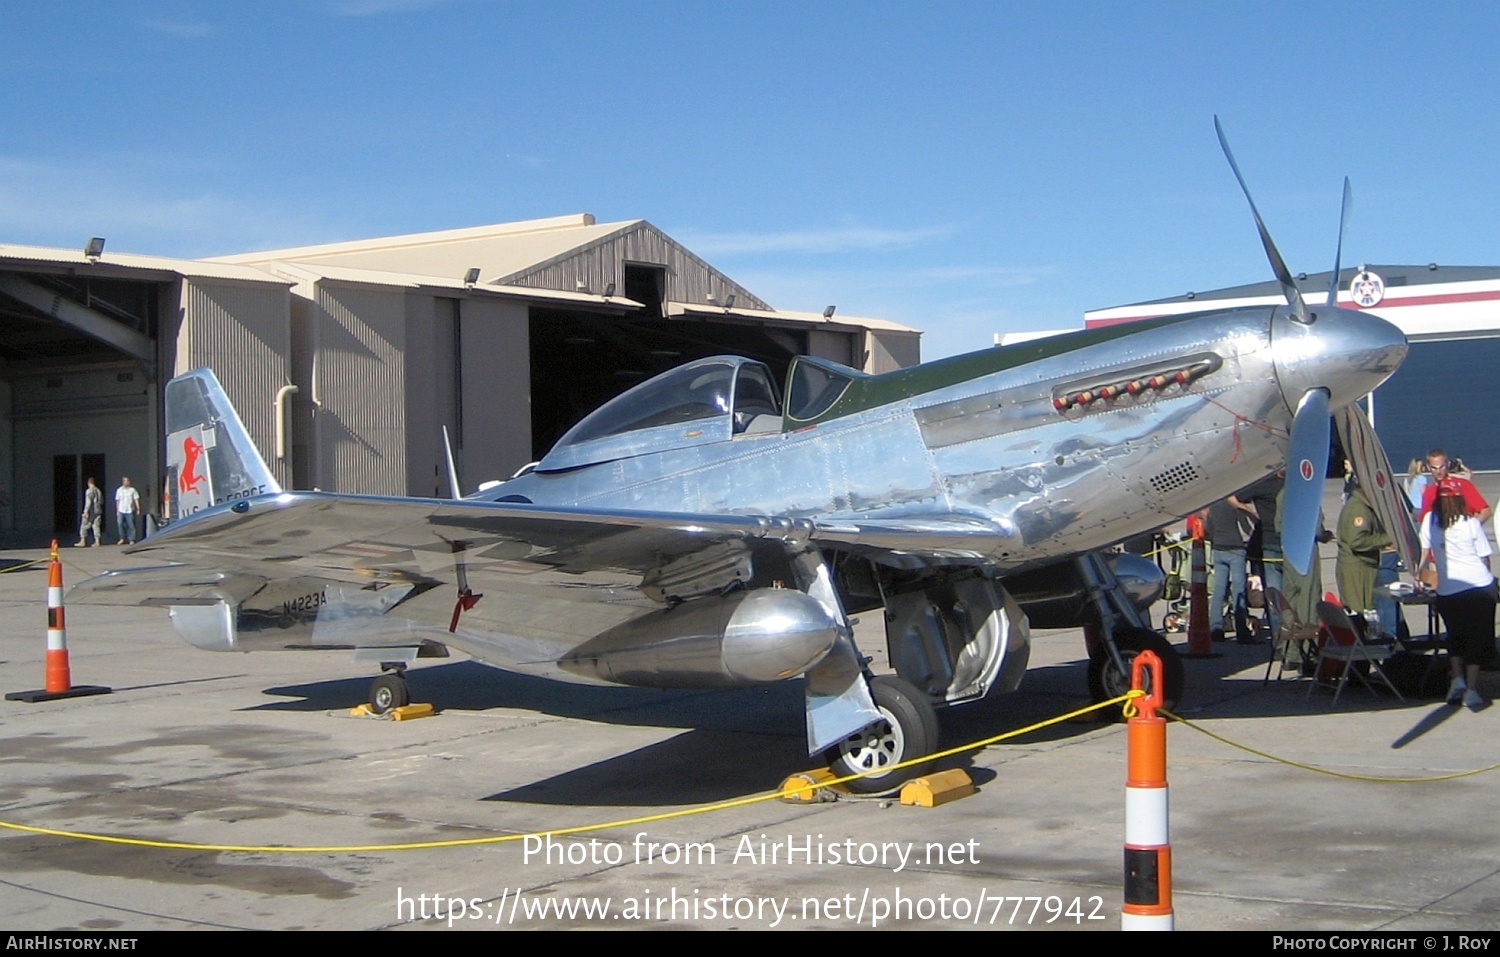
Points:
(997, 449)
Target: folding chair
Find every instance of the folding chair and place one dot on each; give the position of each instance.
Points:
(1291, 632)
(1345, 644)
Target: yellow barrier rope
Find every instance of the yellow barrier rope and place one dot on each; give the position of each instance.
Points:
(16, 568)
(1314, 768)
(580, 829)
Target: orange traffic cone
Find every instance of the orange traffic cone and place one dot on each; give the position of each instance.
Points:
(59, 674)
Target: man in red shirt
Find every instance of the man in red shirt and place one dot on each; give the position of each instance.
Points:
(1437, 464)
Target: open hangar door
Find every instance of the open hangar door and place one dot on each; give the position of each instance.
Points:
(580, 361)
(76, 398)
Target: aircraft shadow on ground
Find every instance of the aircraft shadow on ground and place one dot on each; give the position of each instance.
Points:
(470, 686)
(696, 767)
(746, 741)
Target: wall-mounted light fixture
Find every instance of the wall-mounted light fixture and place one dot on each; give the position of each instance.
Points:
(94, 248)
(471, 277)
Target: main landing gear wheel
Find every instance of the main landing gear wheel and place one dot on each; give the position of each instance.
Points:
(908, 728)
(389, 692)
(1106, 682)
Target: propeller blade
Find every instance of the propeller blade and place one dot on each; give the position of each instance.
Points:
(1346, 209)
(1375, 477)
(1278, 265)
(1306, 467)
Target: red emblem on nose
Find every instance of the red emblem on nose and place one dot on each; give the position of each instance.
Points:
(190, 478)
(1306, 468)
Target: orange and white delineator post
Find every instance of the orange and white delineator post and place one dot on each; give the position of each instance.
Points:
(59, 675)
(1199, 640)
(59, 683)
(1148, 848)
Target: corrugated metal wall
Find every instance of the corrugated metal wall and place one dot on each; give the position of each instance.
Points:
(890, 350)
(495, 350)
(241, 331)
(360, 385)
(431, 392)
(689, 279)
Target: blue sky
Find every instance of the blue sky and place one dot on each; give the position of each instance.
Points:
(967, 168)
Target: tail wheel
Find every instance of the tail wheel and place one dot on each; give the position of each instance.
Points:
(389, 692)
(908, 728)
(1106, 681)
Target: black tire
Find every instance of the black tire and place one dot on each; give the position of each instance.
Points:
(1106, 682)
(389, 692)
(909, 729)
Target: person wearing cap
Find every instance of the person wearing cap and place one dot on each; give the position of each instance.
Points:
(1438, 466)
(1453, 540)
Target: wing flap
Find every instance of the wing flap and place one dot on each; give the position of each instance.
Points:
(921, 536)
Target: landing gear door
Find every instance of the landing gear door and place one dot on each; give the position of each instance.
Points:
(959, 639)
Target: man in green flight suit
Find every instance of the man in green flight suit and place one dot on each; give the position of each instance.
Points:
(1361, 539)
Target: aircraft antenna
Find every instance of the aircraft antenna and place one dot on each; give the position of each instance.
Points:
(453, 488)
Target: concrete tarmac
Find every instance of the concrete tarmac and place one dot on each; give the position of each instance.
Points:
(258, 750)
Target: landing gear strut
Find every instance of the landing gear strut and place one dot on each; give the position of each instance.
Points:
(1126, 632)
(390, 690)
(1107, 681)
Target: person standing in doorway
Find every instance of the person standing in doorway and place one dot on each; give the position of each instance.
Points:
(93, 515)
(127, 505)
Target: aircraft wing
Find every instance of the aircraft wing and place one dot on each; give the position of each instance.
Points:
(359, 540)
(548, 578)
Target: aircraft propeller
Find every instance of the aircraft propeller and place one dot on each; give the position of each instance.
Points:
(1307, 466)
(1278, 265)
(1307, 451)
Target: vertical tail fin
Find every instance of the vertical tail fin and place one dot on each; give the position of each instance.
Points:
(210, 458)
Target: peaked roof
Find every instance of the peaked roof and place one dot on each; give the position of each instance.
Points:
(13, 255)
(500, 251)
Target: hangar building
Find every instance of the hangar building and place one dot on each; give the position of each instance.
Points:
(1441, 395)
(346, 360)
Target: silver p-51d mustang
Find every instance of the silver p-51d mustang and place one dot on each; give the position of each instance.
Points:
(708, 529)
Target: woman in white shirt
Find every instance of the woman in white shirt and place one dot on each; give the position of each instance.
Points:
(1455, 541)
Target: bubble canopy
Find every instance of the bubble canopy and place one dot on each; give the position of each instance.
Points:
(702, 402)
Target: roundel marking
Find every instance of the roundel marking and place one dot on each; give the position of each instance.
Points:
(1380, 479)
(1366, 289)
(1305, 467)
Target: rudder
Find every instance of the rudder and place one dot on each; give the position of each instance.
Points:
(210, 458)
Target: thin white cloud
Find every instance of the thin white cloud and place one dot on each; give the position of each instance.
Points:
(840, 239)
(534, 162)
(988, 276)
(57, 204)
(375, 8)
(179, 28)
(958, 307)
